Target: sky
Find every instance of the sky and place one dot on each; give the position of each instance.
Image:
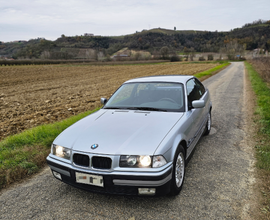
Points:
(49, 19)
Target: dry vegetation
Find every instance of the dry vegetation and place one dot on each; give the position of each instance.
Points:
(34, 95)
(262, 66)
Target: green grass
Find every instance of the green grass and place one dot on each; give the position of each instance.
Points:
(263, 110)
(211, 71)
(25, 153)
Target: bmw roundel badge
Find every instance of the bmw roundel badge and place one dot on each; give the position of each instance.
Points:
(94, 146)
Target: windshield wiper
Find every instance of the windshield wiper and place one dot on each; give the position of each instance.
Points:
(138, 108)
(147, 109)
(112, 108)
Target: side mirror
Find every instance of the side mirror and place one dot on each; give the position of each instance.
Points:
(103, 101)
(198, 104)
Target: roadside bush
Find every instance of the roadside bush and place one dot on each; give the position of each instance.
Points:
(230, 57)
(137, 56)
(262, 66)
(107, 58)
(175, 58)
(201, 58)
(210, 57)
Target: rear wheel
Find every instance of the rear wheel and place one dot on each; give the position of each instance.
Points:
(208, 124)
(178, 174)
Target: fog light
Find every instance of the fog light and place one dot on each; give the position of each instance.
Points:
(57, 175)
(147, 191)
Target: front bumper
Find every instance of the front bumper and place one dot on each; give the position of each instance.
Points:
(123, 183)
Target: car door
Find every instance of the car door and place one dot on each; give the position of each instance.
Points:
(195, 91)
(204, 95)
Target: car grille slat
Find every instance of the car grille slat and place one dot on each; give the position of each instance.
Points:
(81, 160)
(101, 162)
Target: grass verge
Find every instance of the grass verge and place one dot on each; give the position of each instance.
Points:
(208, 73)
(263, 103)
(24, 154)
(262, 121)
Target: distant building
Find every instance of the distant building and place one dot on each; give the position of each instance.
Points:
(88, 35)
(120, 55)
(7, 58)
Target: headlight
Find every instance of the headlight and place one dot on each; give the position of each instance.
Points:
(131, 160)
(145, 161)
(135, 161)
(60, 151)
(159, 161)
(142, 161)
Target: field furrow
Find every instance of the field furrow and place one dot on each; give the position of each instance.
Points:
(34, 95)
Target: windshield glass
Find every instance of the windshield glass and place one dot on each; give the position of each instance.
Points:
(155, 96)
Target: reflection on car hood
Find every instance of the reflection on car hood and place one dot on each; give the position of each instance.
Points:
(119, 132)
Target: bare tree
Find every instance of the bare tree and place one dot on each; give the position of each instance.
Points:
(192, 53)
(45, 55)
(233, 49)
(164, 52)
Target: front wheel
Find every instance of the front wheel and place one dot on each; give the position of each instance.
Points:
(208, 124)
(178, 174)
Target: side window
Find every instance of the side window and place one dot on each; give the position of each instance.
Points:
(194, 91)
(200, 87)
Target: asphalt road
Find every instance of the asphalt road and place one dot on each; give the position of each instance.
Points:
(217, 185)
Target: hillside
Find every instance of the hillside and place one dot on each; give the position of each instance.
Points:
(249, 37)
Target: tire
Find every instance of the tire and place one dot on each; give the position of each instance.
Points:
(178, 174)
(208, 124)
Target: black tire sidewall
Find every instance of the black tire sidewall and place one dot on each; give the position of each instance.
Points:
(207, 131)
(174, 189)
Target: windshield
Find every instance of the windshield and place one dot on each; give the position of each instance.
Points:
(153, 96)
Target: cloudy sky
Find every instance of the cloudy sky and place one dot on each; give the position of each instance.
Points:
(30, 19)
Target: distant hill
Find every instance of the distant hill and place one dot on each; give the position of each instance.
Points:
(170, 32)
(249, 37)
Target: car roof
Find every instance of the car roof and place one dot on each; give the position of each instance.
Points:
(165, 78)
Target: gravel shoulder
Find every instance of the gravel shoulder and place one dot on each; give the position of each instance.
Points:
(219, 182)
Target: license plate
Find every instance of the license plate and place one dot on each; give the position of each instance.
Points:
(89, 179)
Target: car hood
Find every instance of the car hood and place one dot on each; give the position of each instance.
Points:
(119, 132)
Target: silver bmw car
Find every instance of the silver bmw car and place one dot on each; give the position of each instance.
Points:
(139, 142)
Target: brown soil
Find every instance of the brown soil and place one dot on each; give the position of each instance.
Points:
(34, 95)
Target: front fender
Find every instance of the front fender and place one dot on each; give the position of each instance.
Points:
(173, 144)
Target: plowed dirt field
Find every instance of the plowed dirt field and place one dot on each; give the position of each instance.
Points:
(34, 95)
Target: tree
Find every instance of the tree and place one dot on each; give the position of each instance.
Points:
(192, 53)
(164, 51)
(210, 57)
(233, 48)
(189, 52)
(45, 55)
